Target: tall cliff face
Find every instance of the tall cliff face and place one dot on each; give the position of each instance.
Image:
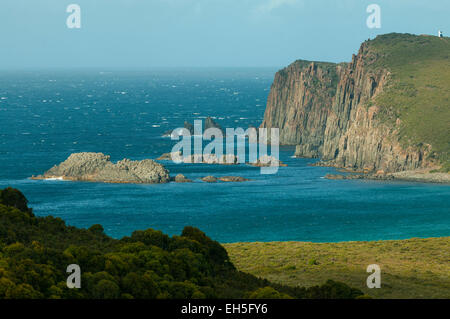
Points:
(344, 114)
(298, 103)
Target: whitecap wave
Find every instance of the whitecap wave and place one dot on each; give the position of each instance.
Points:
(54, 179)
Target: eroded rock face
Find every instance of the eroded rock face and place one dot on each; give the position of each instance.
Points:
(328, 111)
(299, 101)
(354, 136)
(97, 167)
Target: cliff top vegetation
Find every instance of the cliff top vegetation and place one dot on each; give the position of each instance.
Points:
(419, 91)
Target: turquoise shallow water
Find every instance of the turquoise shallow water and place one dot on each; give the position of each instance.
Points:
(45, 116)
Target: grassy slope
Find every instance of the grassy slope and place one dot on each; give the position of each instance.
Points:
(420, 91)
(414, 268)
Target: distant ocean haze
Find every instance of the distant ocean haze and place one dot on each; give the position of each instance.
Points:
(45, 116)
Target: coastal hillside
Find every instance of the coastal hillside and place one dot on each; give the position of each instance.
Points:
(388, 110)
(411, 268)
(35, 253)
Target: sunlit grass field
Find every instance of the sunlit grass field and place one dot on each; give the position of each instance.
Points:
(413, 268)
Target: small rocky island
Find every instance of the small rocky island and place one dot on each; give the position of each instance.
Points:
(97, 167)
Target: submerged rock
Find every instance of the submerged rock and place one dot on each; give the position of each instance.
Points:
(385, 177)
(334, 176)
(97, 167)
(233, 179)
(169, 156)
(267, 160)
(212, 179)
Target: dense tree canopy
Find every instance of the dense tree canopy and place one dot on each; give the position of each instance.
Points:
(35, 253)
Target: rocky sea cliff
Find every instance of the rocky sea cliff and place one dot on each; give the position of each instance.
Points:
(344, 114)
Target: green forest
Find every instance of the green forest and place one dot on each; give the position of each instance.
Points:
(35, 252)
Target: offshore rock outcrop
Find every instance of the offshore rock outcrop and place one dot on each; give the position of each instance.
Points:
(97, 167)
(209, 179)
(234, 179)
(180, 178)
(208, 123)
(225, 159)
(330, 112)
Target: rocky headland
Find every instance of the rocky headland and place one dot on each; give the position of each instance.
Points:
(385, 111)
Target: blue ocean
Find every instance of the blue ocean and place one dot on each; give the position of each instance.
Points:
(47, 115)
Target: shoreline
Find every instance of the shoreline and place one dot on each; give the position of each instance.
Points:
(407, 176)
(424, 175)
(73, 179)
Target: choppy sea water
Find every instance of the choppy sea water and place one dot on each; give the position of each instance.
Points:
(47, 115)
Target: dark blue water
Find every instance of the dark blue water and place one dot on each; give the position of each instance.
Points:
(45, 116)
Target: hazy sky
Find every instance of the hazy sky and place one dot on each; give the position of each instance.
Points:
(173, 33)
